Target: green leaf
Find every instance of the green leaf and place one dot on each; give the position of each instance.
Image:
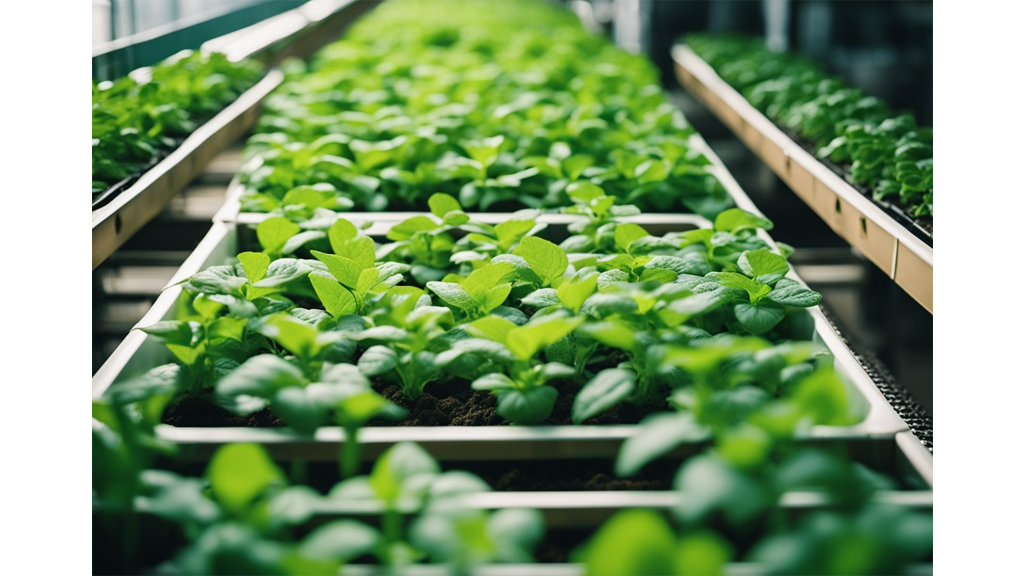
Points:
(510, 231)
(631, 543)
(441, 204)
(241, 473)
(794, 294)
(299, 410)
(494, 381)
(525, 341)
(735, 219)
(336, 298)
(626, 233)
(408, 228)
(604, 391)
(255, 265)
(546, 259)
(712, 485)
(258, 377)
(171, 331)
(377, 360)
(340, 233)
(340, 540)
(604, 305)
(702, 553)
(656, 435)
(344, 269)
(453, 294)
(755, 290)
(542, 297)
(575, 292)
(584, 192)
(763, 265)
(490, 327)
(397, 467)
(360, 250)
(272, 233)
(526, 406)
(758, 318)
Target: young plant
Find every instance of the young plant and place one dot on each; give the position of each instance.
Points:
(411, 334)
(524, 397)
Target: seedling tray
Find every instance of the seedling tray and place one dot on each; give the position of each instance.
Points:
(116, 221)
(655, 223)
(138, 353)
(878, 231)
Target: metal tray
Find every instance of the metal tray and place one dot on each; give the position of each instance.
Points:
(895, 249)
(123, 216)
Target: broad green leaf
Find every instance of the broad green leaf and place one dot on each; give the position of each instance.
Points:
(758, 318)
(340, 233)
(255, 265)
(656, 435)
(543, 297)
(546, 259)
(241, 473)
(510, 231)
(526, 406)
(452, 294)
(486, 277)
(793, 294)
(711, 485)
(408, 228)
(272, 233)
(441, 204)
(626, 233)
(763, 265)
(299, 410)
(394, 470)
(336, 298)
(734, 220)
(260, 377)
(632, 543)
(340, 540)
(702, 553)
(490, 327)
(575, 292)
(494, 381)
(344, 269)
(525, 341)
(171, 331)
(610, 387)
(584, 191)
(377, 360)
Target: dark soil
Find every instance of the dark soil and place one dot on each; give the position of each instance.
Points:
(450, 403)
(454, 403)
(192, 412)
(575, 475)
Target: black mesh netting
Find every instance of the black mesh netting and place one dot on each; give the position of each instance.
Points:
(909, 409)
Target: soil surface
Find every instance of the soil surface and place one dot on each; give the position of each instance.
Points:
(571, 475)
(442, 404)
(456, 404)
(192, 412)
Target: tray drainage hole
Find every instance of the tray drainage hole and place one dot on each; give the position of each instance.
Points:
(117, 224)
(839, 207)
(863, 225)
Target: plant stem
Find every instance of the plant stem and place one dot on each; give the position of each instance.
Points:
(350, 452)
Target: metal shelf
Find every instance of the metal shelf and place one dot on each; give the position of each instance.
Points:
(897, 251)
(130, 210)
